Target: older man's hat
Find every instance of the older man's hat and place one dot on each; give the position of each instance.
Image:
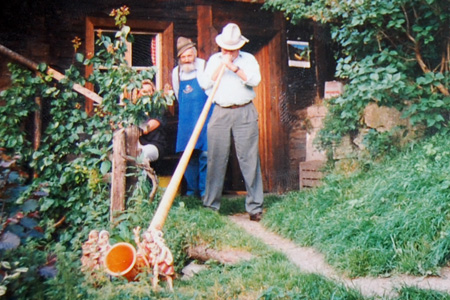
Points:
(183, 44)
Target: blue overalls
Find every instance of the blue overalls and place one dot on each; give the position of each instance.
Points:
(191, 99)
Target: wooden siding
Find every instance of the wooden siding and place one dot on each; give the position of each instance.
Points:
(43, 31)
(269, 104)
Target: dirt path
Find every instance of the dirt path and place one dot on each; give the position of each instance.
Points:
(311, 261)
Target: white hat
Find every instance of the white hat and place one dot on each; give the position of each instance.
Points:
(231, 38)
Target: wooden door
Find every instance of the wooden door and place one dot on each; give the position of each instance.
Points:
(269, 103)
(267, 42)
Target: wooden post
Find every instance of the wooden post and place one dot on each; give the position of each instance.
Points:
(131, 143)
(37, 123)
(205, 31)
(119, 166)
(125, 143)
(37, 128)
(132, 137)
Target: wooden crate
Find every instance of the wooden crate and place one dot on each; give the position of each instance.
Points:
(310, 173)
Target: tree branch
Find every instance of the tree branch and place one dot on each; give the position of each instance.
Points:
(423, 66)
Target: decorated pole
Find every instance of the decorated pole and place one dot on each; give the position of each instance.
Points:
(166, 202)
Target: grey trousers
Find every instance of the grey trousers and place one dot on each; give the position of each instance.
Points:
(241, 124)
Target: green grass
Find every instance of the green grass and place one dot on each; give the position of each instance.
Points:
(411, 293)
(393, 217)
(268, 275)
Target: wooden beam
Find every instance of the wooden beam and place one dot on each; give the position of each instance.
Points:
(37, 123)
(167, 55)
(206, 32)
(132, 141)
(50, 71)
(89, 69)
(37, 128)
(119, 166)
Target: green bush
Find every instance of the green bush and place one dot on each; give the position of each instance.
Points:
(392, 53)
(69, 169)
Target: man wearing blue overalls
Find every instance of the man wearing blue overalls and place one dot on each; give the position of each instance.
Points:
(191, 99)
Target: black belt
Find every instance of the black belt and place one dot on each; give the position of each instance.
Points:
(236, 105)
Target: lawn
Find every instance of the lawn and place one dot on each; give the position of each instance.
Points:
(385, 218)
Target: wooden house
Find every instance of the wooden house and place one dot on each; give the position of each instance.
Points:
(43, 30)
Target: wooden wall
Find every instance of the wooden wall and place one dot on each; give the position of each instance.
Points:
(43, 31)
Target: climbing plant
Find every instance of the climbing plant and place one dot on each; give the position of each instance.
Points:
(69, 186)
(394, 53)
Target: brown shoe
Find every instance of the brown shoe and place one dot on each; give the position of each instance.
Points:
(256, 217)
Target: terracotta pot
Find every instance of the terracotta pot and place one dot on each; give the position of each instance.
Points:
(121, 261)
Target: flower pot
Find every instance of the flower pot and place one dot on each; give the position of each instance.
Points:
(121, 261)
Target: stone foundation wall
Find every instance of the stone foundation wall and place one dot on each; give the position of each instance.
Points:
(297, 146)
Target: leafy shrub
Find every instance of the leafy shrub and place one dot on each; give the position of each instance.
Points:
(68, 194)
(381, 143)
(393, 53)
(19, 224)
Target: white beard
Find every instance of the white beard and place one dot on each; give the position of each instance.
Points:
(188, 67)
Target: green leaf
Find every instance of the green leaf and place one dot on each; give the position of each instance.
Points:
(108, 82)
(105, 167)
(6, 265)
(63, 179)
(22, 270)
(439, 76)
(95, 151)
(42, 67)
(397, 77)
(79, 57)
(15, 275)
(47, 203)
(438, 103)
(374, 76)
(391, 69)
(30, 205)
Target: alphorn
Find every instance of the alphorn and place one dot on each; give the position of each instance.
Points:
(121, 259)
(169, 195)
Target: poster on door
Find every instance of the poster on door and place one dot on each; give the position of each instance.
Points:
(299, 54)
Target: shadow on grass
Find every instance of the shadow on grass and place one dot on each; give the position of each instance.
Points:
(230, 204)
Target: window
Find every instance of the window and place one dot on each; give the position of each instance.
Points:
(143, 52)
(151, 39)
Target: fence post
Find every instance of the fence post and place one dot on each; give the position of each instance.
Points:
(118, 180)
(131, 143)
